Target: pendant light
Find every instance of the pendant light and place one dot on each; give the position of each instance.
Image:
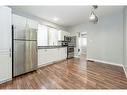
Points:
(93, 18)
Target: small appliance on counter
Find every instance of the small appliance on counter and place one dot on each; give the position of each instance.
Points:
(67, 38)
(63, 43)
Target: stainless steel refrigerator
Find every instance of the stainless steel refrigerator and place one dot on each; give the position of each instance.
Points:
(24, 50)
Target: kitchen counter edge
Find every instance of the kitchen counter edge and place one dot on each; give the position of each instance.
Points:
(50, 47)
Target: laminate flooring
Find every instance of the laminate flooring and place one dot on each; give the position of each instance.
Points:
(74, 73)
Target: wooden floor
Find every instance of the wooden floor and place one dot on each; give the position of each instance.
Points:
(71, 74)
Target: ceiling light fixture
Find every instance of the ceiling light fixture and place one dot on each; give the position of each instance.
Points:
(55, 19)
(93, 18)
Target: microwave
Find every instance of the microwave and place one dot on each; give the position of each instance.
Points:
(67, 38)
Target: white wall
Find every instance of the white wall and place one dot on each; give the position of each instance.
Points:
(105, 39)
(125, 40)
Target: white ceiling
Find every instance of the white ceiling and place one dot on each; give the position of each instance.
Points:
(67, 15)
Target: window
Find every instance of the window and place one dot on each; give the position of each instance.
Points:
(42, 35)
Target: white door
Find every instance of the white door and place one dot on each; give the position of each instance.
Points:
(5, 44)
(83, 45)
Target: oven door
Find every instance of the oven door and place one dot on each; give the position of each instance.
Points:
(70, 55)
(70, 52)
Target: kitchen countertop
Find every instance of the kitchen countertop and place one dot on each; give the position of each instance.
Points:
(50, 47)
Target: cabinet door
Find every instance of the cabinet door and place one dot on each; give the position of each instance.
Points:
(5, 28)
(45, 56)
(32, 24)
(42, 57)
(63, 53)
(64, 33)
(53, 36)
(59, 57)
(5, 67)
(67, 33)
(52, 55)
(19, 23)
(5, 44)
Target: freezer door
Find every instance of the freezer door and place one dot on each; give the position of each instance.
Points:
(25, 56)
(25, 34)
(31, 34)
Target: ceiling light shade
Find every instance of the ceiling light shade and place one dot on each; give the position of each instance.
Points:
(93, 18)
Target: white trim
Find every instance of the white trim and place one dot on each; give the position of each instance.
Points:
(49, 63)
(76, 56)
(106, 62)
(4, 81)
(125, 71)
(45, 64)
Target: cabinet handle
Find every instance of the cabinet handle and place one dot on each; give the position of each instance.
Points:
(10, 52)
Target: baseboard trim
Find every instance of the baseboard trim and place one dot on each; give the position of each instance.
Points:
(45, 64)
(76, 56)
(106, 62)
(125, 71)
(50, 63)
(5, 81)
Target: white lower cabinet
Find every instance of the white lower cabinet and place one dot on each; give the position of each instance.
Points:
(5, 67)
(63, 53)
(47, 56)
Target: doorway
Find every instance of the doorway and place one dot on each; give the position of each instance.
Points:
(83, 43)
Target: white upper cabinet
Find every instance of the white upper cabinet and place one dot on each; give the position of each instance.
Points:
(5, 44)
(64, 33)
(32, 23)
(67, 33)
(42, 35)
(19, 24)
(53, 36)
(5, 28)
